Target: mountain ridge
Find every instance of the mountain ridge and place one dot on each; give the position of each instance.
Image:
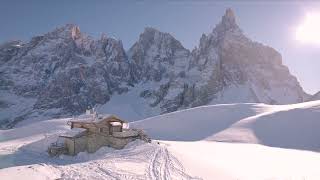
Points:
(63, 72)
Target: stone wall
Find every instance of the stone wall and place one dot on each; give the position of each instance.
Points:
(96, 141)
(69, 144)
(80, 144)
(91, 142)
(119, 143)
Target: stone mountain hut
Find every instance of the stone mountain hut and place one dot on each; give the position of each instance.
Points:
(91, 131)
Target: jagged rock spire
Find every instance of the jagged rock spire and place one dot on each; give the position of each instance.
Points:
(228, 22)
(75, 32)
(229, 19)
(66, 31)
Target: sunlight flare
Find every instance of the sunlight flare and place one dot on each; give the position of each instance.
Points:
(308, 31)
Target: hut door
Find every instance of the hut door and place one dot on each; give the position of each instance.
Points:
(110, 129)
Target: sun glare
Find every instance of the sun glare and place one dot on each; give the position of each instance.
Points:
(309, 30)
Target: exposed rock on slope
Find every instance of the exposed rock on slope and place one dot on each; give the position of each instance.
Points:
(160, 58)
(64, 71)
(254, 71)
(155, 54)
(226, 67)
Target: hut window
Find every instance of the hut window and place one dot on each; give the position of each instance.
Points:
(100, 129)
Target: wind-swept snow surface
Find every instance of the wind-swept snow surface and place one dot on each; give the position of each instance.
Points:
(192, 135)
(234, 161)
(293, 126)
(228, 141)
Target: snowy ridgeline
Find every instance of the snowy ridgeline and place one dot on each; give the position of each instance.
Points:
(62, 72)
(228, 141)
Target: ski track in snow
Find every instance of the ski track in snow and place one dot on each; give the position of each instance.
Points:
(159, 164)
(164, 166)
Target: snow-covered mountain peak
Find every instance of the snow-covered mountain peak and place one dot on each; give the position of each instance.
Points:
(65, 71)
(227, 59)
(152, 36)
(154, 53)
(150, 30)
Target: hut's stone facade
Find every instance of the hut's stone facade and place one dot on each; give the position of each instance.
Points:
(91, 131)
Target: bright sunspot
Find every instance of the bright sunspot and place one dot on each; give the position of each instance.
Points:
(309, 30)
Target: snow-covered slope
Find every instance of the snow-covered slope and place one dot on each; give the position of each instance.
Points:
(23, 155)
(63, 72)
(234, 161)
(228, 141)
(288, 126)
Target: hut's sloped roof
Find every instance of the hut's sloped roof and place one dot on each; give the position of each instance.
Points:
(85, 118)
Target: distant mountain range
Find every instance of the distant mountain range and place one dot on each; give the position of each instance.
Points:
(63, 72)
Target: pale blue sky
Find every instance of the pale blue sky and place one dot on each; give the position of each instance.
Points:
(271, 23)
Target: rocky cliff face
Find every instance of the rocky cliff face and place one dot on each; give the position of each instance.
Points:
(232, 61)
(64, 71)
(154, 54)
(226, 67)
(160, 59)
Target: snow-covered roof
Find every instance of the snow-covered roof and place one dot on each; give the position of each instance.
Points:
(74, 132)
(91, 118)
